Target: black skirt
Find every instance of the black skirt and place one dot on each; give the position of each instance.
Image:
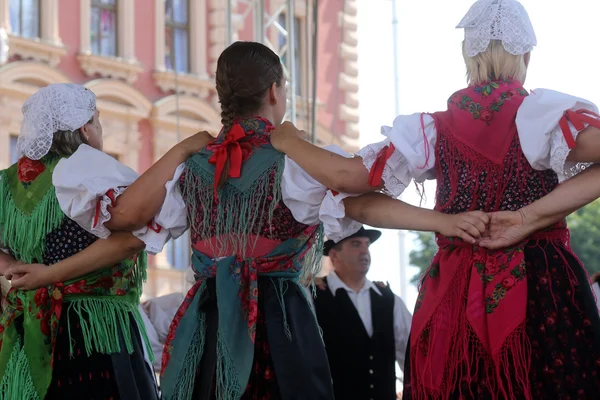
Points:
(563, 327)
(283, 368)
(99, 376)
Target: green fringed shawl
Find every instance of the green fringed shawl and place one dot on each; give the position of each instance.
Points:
(244, 210)
(104, 300)
(28, 211)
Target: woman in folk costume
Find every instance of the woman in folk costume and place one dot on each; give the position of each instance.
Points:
(245, 329)
(79, 335)
(515, 323)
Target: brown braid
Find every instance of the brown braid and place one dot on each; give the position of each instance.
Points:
(245, 72)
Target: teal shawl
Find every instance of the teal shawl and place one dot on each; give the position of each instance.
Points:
(244, 205)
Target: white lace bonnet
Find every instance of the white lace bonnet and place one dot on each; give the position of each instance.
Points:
(56, 107)
(504, 20)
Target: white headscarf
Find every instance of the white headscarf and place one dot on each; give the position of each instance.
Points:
(505, 20)
(56, 107)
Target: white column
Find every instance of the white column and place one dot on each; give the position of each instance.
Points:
(5, 15)
(159, 35)
(84, 24)
(197, 37)
(126, 29)
(49, 17)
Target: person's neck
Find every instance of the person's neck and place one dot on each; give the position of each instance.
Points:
(268, 115)
(354, 280)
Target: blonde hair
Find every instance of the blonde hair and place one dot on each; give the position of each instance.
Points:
(494, 63)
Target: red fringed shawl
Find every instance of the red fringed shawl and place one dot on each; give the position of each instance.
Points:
(468, 328)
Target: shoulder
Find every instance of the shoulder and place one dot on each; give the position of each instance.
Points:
(384, 288)
(548, 100)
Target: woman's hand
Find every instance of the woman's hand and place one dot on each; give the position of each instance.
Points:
(468, 226)
(30, 276)
(6, 262)
(285, 135)
(195, 143)
(508, 228)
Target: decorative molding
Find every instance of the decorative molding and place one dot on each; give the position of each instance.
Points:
(194, 115)
(23, 78)
(36, 50)
(131, 102)
(197, 42)
(124, 66)
(47, 48)
(186, 84)
(349, 108)
(109, 67)
(18, 81)
(121, 108)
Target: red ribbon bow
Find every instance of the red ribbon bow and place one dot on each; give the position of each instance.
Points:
(376, 173)
(578, 119)
(229, 149)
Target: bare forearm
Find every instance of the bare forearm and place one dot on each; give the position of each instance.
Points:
(103, 253)
(566, 198)
(334, 171)
(6, 261)
(378, 210)
(142, 200)
(587, 148)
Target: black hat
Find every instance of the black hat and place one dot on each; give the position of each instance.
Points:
(372, 234)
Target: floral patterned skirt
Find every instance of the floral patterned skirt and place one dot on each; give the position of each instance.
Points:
(563, 326)
(99, 376)
(283, 368)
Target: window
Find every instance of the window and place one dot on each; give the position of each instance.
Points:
(14, 154)
(178, 252)
(25, 18)
(296, 46)
(103, 27)
(176, 35)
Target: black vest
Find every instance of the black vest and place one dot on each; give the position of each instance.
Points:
(362, 367)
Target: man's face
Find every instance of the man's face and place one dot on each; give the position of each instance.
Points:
(352, 255)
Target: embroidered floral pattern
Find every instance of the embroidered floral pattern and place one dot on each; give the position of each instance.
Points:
(29, 169)
(516, 274)
(420, 298)
(251, 141)
(465, 102)
(432, 273)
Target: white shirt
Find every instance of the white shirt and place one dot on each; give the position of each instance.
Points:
(596, 290)
(83, 180)
(540, 135)
(362, 302)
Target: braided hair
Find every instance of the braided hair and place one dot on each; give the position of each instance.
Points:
(245, 72)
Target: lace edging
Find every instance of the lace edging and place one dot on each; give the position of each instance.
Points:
(104, 215)
(393, 185)
(558, 161)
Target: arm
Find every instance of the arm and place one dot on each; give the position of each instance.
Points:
(509, 228)
(6, 262)
(101, 254)
(380, 211)
(142, 200)
(587, 146)
(562, 201)
(347, 175)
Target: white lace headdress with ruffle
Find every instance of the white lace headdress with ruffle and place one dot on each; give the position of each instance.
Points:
(505, 20)
(56, 107)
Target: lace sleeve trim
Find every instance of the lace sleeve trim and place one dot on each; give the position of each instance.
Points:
(558, 160)
(393, 186)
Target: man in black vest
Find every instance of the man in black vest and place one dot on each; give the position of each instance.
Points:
(365, 326)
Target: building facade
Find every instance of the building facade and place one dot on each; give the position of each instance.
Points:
(151, 64)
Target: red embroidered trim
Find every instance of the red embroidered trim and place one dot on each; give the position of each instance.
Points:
(578, 119)
(376, 173)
